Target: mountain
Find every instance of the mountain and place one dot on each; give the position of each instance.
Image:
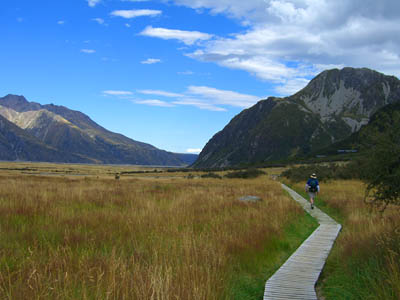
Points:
(73, 132)
(16, 144)
(335, 104)
(385, 118)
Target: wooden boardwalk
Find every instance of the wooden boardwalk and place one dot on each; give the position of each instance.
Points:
(297, 277)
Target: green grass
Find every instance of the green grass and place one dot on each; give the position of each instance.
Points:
(319, 201)
(255, 267)
(357, 280)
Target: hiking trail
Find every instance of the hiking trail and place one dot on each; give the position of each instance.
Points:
(297, 277)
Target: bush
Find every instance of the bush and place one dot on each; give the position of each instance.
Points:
(211, 175)
(250, 173)
(324, 172)
(381, 164)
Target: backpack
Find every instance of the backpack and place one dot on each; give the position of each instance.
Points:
(313, 186)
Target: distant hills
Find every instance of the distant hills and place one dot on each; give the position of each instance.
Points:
(331, 109)
(33, 132)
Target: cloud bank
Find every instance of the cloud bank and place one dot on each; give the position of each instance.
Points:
(287, 42)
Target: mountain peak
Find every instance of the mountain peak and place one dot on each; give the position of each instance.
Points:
(356, 78)
(18, 103)
(358, 92)
(17, 99)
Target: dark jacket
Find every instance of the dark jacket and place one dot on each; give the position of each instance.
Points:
(308, 184)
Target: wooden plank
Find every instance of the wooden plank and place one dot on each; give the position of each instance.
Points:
(297, 277)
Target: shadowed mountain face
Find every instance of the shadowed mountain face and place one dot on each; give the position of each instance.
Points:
(73, 132)
(330, 108)
(381, 122)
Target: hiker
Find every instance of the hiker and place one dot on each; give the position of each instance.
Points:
(312, 188)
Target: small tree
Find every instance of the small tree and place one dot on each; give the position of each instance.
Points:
(380, 168)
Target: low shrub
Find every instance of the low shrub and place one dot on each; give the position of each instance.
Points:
(250, 173)
(211, 175)
(324, 172)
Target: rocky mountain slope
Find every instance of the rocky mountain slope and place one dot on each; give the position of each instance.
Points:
(16, 144)
(386, 118)
(335, 104)
(73, 132)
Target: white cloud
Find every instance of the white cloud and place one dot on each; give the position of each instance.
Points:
(194, 150)
(223, 97)
(98, 20)
(93, 3)
(161, 93)
(154, 102)
(61, 22)
(88, 51)
(127, 25)
(187, 37)
(291, 86)
(134, 13)
(199, 103)
(151, 61)
(208, 98)
(117, 93)
(186, 73)
(243, 10)
(287, 42)
(261, 52)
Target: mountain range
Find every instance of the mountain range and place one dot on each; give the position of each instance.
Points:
(328, 114)
(30, 131)
(335, 105)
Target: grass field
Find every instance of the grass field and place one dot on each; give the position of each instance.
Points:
(64, 236)
(365, 262)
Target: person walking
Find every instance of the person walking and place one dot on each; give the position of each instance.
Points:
(312, 188)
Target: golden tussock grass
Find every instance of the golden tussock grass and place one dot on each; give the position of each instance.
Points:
(88, 238)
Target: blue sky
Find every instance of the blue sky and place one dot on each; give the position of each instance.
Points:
(172, 73)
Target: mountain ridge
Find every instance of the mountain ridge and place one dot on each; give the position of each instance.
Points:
(71, 131)
(335, 104)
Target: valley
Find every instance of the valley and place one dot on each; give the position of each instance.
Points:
(200, 150)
